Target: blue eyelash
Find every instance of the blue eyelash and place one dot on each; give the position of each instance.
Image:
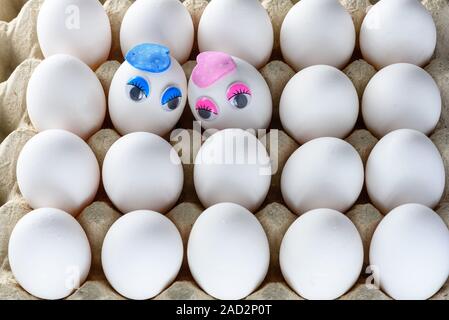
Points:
(140, 83)
(170, 94)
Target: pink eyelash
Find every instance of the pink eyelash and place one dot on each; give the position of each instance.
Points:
(237, 88)
(207, 104)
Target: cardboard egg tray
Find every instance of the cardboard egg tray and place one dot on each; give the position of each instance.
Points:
(19, 56)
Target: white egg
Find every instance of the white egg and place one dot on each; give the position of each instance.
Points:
(401, 96)
(321, 255)
(166, 22)
(228, 252)
(148, 92)
(232, 166)
(319, 101)
(142, 171)
(49, 253)
(57, 169)
(404, 167)
(227, 92)
(323, 173)
(239, 28)
(395, 31)
(409, 253)
(317, 32)
(79, 28)
(64, 93)
(142, 254)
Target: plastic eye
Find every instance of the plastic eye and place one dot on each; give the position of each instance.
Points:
(171, 98)
(239, 95)
(206, 109)
(138, 89)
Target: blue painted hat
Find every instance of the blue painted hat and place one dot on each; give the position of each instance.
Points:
(149, 57)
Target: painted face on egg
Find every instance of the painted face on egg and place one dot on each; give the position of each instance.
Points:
(227, 92)
(148, 91)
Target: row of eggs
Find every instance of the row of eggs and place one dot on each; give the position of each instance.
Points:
(143, 171)
(226, 92)
(321, 254)
(313, 31)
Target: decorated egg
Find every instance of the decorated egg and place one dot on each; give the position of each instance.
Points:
(77, 28)
(141, 171)
(57, 169)
(49, 253)
(239, 28)
(317, 32)
(319, 101)
(228, 252)
(409, 253)
(142, 254)
(232, 166)
(78, 105)
(148, 92)
(395, 31)
(166, 22)
(401, 96)
(321, 255)
(404, 167)
(227, 92)
(322, 173)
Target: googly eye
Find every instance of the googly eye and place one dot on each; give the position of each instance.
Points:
(138, 89)
(171, 98)
(239, 95)
(206, 109)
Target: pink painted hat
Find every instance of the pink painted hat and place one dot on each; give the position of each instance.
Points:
(211, 67)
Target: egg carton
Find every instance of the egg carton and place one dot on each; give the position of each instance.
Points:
(20, 55)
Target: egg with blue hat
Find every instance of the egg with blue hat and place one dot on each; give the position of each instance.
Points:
(148, 92)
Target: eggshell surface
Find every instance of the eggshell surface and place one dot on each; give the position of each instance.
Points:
(397, 31)
(165, 22)
(64, 93)
(141, 171)
(319, 101)
(49, 253)
(57, 169)
(401, 96)
(410, 253)
(404, 167)
(321, 255)
(228, 252)
(317, 32)
(323, 173)
(142, 254)
(239, 28)
(227, 92)
(150, 114)
(232, 166)
(79, 28)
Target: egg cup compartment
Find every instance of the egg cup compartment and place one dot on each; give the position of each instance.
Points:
(20, 55)
(10, 9)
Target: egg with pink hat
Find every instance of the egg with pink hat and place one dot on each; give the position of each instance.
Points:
(228, 92)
